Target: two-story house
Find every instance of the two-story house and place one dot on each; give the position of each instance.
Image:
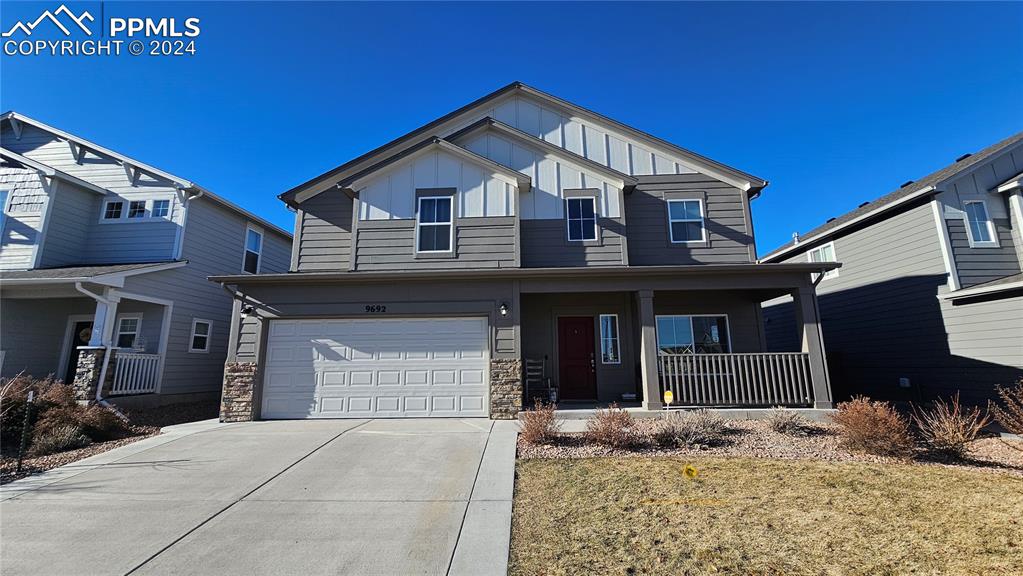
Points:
(929, 299)
(518, 229)
(107, 257)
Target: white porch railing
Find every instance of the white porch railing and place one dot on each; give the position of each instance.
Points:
(135, 373)
(765, 379)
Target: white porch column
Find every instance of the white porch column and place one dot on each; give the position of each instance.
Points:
(804, 302)
(648, 351)
(103, 321)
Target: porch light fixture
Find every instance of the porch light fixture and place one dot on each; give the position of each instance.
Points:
(247, 310)
(504, 309)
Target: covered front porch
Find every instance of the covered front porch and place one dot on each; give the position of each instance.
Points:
(49, 323)
(671, 340)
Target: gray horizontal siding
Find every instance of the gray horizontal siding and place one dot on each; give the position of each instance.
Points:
(544, 243)
(979, 265)
(646, 212)
(479, 243)
(74, 212)
(325, 236)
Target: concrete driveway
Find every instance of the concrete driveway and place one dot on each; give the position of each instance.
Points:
(287, 497)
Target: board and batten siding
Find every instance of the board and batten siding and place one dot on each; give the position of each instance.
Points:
(544, 244)
(324, 234)
(391, 193)
(551, 176)
(213, 245)
(726, 222)
(23, 216)
(979, 265)
(479, 243)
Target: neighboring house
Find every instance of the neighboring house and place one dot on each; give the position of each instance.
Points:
(929, 299)
(99, 250)
(518, 229)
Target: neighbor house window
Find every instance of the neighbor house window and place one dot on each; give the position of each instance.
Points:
(434, 227)
(253, 251)
(112, 211)
(128, 331)
(980, 227)
(200, 341)
(582, 219)
(137, 209)
(161, 208)
(825, 253)
(609, 347)
(685, 221)
(706, 334)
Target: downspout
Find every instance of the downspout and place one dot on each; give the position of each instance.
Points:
(106, 358)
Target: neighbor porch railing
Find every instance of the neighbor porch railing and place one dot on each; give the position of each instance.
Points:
(135, 373)
(766, 379)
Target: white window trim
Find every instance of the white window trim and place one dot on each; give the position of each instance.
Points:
(728, 327)
(126, 207)
(138, 328)
(834, 251)
(145, 210)
(617, 339)
(702, 221)
(209, 336)
(245, 248)
(450, 224)
(568, 221)
(993, 243)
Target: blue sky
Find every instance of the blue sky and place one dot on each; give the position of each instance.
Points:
(834, 104)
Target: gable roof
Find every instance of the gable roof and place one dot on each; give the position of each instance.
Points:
(50, 171)
(178, 182)
(752, 184)
(112, 274)
(907, 193)
(521, 180)
(510, 131)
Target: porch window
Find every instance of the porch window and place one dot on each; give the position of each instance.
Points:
(137, 209)
(582, 219)
(200, 340)
(253, 251)
(609, 347)
(112, 210)
(979, 225)
(685, 221)
(128, 331)
(705, 334)
(825, 253)
(161, 208)
(433, 227)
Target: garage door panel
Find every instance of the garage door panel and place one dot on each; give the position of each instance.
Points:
(376, 368)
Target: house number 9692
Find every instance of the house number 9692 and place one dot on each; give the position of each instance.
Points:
(376, 308)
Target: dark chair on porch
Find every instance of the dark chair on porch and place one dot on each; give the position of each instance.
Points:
(538, 384)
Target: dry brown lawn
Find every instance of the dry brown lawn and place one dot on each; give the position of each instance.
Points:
(759, 516)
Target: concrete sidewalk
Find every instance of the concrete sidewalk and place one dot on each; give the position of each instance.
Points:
(309, 497)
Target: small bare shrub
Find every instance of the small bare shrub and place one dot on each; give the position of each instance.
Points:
(678, 429)
(58, 440)
(612, 427)
(946, 428)
(1010, 415)
(539, 426)
(788, 422)
(14, 399)
(873, 427)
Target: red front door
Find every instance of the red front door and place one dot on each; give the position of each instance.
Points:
(576, 362)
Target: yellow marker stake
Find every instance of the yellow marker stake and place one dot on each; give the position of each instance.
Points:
(668, 397)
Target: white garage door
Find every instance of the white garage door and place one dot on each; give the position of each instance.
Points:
(409, 367)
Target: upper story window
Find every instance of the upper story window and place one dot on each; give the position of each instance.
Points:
(582, 219)
(980, 228)
(112, 210)
(253, 251)
(4, 195)
(161, 208)
(137, 209)
(433, 224)
(685, 221)
(705, 334)
(825, 253)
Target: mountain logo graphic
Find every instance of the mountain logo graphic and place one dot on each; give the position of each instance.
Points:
(28, 28)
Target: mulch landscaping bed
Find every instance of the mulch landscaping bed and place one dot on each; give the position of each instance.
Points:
(755, 439)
